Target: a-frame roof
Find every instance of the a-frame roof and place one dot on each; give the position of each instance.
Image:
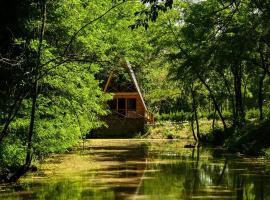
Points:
(133, 78)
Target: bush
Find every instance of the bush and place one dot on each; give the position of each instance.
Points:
(253, 114)
(12, 154)
(266, 112)
(176, 117)
(227, 115)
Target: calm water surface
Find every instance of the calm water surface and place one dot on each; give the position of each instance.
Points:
(144, 169)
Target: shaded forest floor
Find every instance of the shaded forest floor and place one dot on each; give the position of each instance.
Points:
(252, 140)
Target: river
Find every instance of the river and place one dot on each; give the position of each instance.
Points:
(144, 169)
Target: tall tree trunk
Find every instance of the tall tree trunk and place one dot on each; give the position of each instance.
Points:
(239, 111)
(35, 89)
(260, 95)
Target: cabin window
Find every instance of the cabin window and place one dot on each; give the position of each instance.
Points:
(131, 104)
(121, 103)
(122, 106)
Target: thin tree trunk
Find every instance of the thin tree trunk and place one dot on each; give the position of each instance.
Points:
(245, 94)
(214, 119)
(192, 128)
(260, 95)
(197, 124)
(11, 115)
(28, 158)
(194, 107)
(214, 102)
(35, 89)
(4, 131)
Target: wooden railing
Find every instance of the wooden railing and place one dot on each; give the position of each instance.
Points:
(128, 114)
(149, 117)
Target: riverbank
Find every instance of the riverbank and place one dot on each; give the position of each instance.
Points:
(174, 130)
(167, 130)
(252, 140)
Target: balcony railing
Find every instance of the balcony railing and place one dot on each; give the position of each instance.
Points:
(149, 117)
(127, 113)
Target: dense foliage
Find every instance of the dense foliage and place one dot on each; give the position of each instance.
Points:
(217, 53)
(51, 55)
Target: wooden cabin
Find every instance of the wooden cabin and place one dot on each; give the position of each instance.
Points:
(129, 113)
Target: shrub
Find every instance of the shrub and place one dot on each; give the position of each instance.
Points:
(12, 154)
(253, 114)
(227, 115)
(266, 112)
(176, 117)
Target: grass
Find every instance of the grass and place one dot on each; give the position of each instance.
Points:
(174, 130)
(167, 130)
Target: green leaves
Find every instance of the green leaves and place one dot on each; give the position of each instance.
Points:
(150, 12)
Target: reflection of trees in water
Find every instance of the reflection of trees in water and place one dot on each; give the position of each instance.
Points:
(245, 180)
(223, 172)
(117, 180)
(202, 175)
(126, 175)
(57, 190)
(181, 174)
(232, 176)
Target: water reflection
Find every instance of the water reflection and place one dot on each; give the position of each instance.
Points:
(148, 169)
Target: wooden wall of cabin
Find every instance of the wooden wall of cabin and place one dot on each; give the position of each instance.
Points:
(134, 95)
